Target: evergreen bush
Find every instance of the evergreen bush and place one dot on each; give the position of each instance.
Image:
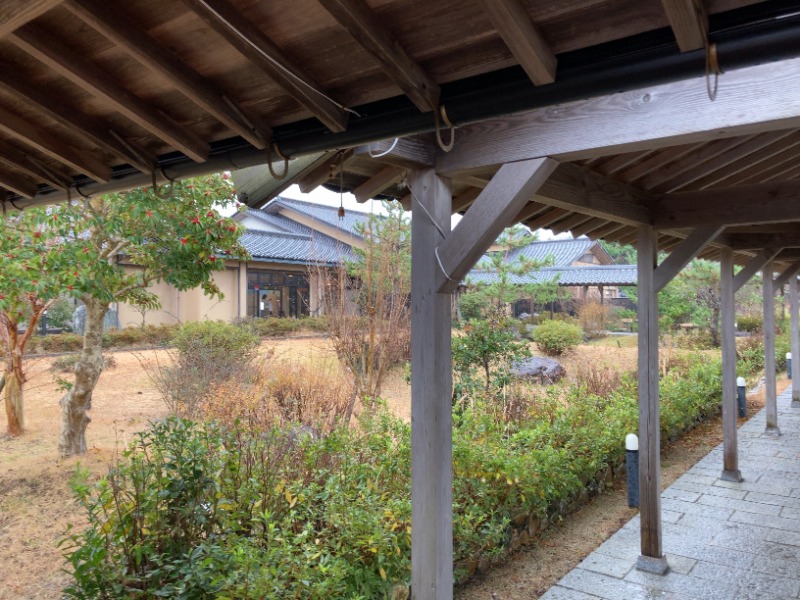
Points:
(557, 337)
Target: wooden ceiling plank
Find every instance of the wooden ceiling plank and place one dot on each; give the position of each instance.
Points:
(688, 21)
(530, 210)
(39, 138)
(624, 235)
(508, 191)
(612, 164)
(255, 45)
(705, 159)
(766, 203)
(66, 62)
(375, 185)
(73, 119)
(23, 186)
(108, 19)
(523, 38)
(16, 13)
(603, 230)
(749, 163)
(586, 227)
(756, 241)
(371, 34)
(548, 218)
(657, 116)
(569, 222)
(656, 160)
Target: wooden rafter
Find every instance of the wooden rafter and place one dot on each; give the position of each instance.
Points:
(604, 230)
(371, 34)
(588, 226)
(658, 116)
(386, 177)
(751, 164)
(110, 20)
(314, 177)
(547, 218)
(35, 136)
(688, 21)
(465, 199)
(568, 223)
(68, 63)
(13, 158)
(19, 185)
(76, 121)
(655, 160)
(501, 200)
(767, 203)
(251, 42)
(523, 38)
(753, 266)
(755, 241)
(16, 13)
(711, 157)
(530, 210)
(613, 164)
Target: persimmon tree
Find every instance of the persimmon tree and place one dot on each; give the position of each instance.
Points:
(34, 272)
(121, 244)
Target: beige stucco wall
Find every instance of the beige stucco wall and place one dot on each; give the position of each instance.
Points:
(191, 305)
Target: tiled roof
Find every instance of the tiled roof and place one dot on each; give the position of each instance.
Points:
(294, 248)
(323, 213)
(563, 252)
(596, 275)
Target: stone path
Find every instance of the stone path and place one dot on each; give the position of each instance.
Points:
(723, 540)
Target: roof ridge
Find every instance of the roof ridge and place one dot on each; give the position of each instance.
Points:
(289, 234)
(315, 204)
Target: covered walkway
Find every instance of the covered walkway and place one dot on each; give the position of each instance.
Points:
(723, 540)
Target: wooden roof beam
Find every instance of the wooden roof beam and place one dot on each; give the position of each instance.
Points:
(108, 19)
(72, 118)
(581, 190)
(465, 199)
(501, 200)
(653, 117)
(415, 152)
(753, 266)
(530, 210)
(523, 38)
(255, 45)
(604, 230)
(68, 63)
(588, 226)
(569, 222)
(36, 136)
(371, 34)
(767, 203)
(23, 186)
(386, 177)
(16, 13)
(756, 241)
(329, 168)
(683, 253)
(689, 23)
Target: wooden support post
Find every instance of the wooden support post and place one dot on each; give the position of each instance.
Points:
(431, 393)
(652, 558)
(769, 350)
(794, 320)
(730, 467)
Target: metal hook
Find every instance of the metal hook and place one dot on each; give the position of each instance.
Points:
(449, 146)
(158, 194)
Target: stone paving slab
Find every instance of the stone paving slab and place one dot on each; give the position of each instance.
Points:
(723, 540)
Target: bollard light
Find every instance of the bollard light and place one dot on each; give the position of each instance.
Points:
(741, 398)
(789, 365)
(632, 468)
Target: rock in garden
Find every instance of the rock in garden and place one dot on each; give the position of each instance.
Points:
(546, 370)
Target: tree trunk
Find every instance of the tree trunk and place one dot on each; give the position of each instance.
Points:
(13, 395)
(78, 400)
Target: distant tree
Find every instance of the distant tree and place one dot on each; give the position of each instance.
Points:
(176, 236)
(34, 271)
(622, 254)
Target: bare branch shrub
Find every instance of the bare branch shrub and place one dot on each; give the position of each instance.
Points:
(593, 317)
(367, 305)
(597, 378)
(283, 393)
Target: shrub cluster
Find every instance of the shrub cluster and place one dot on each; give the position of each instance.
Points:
(280, 327)
(749, 323)
(556, 337)
(212, 511)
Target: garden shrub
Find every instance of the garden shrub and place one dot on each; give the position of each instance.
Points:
(208, 353)
(66, 363)
(229, 511)
(749, 323)
(593, 318)
(557, 337)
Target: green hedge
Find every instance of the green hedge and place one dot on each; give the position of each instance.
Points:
(197, 511)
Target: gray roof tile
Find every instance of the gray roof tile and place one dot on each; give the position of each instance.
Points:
(563, 252)
(295, 248)
(597, 275)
